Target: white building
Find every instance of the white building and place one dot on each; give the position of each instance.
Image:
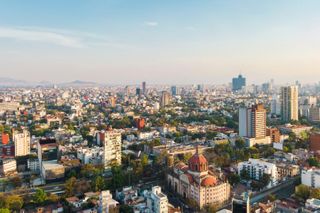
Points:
(106, 203)
(310, 177)
(157, 201)
(91, 155)
(111, 148)
(256, 168)
(22, 143)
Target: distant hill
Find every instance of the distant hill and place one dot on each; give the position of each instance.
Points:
(10, 82)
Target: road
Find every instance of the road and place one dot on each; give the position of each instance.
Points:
(282, 190)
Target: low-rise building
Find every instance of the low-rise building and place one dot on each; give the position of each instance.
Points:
(157, 201)
(311, 177)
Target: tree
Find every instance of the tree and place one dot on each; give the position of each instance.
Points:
(210, 208)
(98, 184)
(70, 185)
(53, 198)
(234, 179)
(313, 162)
(14, 202)
(272, 197)
(125, 209)
(144, 160)
(40, 196)
(16, 181)
(244, 174)
(302, 191)
(4, 211)
(315, 193)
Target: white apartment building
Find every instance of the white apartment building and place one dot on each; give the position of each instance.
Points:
(91, 155)
(310, 177)
(111, 148)
(106, 203)
(21, 143)
(256, 168)
(157, 202)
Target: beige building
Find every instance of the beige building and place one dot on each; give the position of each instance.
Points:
(289, 103)
(165, 99)
(252, 122)
(111, 148)
(196, 182)
(21, 143)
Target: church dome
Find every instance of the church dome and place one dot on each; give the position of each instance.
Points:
(198, 163)
(209, 181)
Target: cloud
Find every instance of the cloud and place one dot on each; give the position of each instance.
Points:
(151, 23)
(39, 35)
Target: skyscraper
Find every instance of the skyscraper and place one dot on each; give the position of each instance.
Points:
(144, 88)
(238, 83)
(111, 148)
(165, 99)
(289, 103)
(252, 122)
(174, 90)
(138, 91)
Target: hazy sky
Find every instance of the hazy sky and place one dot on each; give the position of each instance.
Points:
(160, 41)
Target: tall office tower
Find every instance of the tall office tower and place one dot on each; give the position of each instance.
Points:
(252, 122)
(289, 103)
(165, 99)
(138, 91)
(238, 83)
(112, 148)
(200, 87)
(21, 143)
(144, 88)
(174, 90)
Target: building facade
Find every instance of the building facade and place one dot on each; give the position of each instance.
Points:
(238, 83)
(111, 148)
(289, 103)
(157, 201)
(22, 143)
(196, 182)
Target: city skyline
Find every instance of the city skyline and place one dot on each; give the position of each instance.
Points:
(125, 42)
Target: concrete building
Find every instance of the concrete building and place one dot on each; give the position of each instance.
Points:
(238, 83)
(289, 103)
(195, 181)
(107, 204)
(256, 168)
(8, 166)
(252, 122)
(111, 148)
(157, 201)
(51, 170)
(315, 142)
(314, 113)
(165, 99)
(21, 143)
(310, 177)
(4, 139)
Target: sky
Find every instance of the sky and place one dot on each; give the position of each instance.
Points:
(160, 41)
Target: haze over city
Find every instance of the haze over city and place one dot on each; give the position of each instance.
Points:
(161, 42)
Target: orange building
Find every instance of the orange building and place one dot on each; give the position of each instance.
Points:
(315, 142)
(274, 134)
(4, 139)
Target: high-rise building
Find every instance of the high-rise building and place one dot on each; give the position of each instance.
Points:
(238, 83)
(289, 103)
(111, 148)
(112, 101)
(252, 122)
(174, 90)
(144, 88)
(21, 143)
(138, 91)
(165, 99)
